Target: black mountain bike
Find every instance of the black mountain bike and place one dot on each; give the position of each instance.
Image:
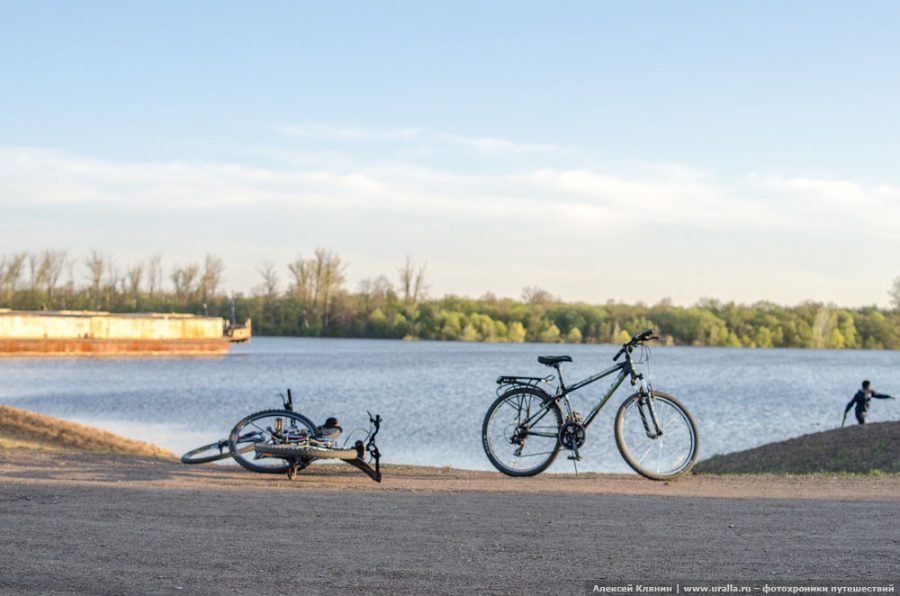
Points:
(525, 428)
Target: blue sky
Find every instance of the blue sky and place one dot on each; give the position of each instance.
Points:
(745, 151)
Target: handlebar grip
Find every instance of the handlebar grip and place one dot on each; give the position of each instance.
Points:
(619, 354)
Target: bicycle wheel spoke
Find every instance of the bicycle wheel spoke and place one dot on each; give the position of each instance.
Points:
(536, 454)
(262, 431)
(659, 457)
(641, 459)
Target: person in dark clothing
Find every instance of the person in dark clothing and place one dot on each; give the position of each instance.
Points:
(861, 402)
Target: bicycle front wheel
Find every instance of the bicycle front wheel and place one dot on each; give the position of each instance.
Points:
(269, 427)
(656, 436)
(521, 432)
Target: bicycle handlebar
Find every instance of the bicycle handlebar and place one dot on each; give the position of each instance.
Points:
(635, 339)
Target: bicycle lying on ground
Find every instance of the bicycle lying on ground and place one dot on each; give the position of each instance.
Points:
(285, 442)
(525, 428)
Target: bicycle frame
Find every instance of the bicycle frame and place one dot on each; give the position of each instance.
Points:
(625, 370)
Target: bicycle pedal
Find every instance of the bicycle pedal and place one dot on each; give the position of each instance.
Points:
(574, 458)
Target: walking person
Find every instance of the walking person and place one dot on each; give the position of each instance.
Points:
(861, 402)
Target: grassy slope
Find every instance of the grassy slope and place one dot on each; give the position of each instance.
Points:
(23, 429)
(856, 449)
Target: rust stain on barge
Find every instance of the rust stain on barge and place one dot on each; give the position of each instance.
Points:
(89, 333)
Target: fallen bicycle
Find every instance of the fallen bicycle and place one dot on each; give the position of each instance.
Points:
(285, 442)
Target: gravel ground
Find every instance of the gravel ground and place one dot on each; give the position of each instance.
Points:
(91, 523)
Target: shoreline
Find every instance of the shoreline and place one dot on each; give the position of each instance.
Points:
(74, 469)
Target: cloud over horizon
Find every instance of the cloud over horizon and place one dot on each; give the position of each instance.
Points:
(423, 182)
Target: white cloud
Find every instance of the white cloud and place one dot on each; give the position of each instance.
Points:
(667, 195)
(332, 132)
(325, 131)
(617, 195)
(835, 191)
(494, 144)
(842, 205)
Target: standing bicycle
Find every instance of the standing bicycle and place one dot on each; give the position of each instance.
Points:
(525, 428)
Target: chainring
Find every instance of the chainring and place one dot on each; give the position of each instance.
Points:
(572, 434)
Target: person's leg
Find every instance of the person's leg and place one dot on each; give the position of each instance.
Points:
(861, 416)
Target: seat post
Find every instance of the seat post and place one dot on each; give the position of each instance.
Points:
(562, 386)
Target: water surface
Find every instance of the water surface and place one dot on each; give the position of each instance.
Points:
(433, 395)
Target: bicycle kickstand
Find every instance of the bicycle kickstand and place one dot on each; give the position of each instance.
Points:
(575, 457)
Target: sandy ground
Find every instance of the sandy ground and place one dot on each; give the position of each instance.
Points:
(94, 523)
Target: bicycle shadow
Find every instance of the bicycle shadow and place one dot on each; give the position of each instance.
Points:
(80, 468)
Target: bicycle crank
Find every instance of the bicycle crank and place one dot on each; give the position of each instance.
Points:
(572, 435)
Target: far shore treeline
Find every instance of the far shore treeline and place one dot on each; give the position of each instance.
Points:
(309, 297)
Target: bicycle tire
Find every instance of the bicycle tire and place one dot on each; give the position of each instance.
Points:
(237, 452)
(626, 454)
(194, 455)
(310, 453)
(487, 441)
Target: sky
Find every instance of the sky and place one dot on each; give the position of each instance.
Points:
(602, 151)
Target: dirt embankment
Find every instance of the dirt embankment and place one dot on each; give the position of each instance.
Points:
(23, 429)
(858, 449)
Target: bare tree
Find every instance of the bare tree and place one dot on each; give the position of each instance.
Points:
(536, 295)
(375, 293)
(412, 282)
(303, 285)
(96, 266)
(69, 291)
(302, 271)
(270, 281)
(11, 268)
(37, 267)
(53, 263)
(113, 287)
(185, 280)
(212, 276)
(329, 280)
(419, 287)
(135, 276)
(894, 293)
(154, 275)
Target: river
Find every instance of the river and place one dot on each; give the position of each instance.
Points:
(433, 395)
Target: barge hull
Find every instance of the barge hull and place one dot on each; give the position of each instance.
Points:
(112, 347)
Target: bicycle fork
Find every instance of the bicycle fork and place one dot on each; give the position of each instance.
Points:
(646, 409)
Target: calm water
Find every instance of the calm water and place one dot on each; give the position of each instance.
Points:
(433, 395)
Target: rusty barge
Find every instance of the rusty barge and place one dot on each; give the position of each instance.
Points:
(91, 333)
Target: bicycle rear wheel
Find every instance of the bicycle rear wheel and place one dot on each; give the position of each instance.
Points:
(207, 453)
(664, 456)
(520, 434)
(269, 427)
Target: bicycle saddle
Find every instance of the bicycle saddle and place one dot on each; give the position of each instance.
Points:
(553, 360)
(329, 431)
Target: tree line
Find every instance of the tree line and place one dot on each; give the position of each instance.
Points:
(309, 297)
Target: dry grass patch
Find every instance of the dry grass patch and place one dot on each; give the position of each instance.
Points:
(21, 429)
